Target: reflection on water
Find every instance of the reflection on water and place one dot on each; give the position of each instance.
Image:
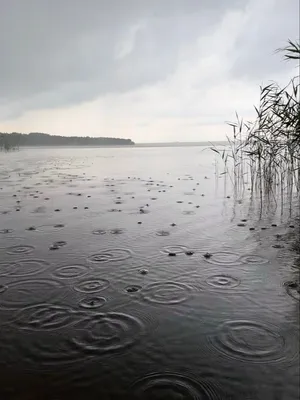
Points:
(110, 314)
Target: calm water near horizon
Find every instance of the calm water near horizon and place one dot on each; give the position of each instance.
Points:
(132, 273)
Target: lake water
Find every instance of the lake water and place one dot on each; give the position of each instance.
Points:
(106, 290)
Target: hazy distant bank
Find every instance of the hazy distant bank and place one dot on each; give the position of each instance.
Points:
(114, 144)
(15, 140)
(33, 140)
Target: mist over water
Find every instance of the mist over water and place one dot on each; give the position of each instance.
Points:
(133, 273)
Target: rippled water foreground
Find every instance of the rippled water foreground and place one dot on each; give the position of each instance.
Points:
(130, 273)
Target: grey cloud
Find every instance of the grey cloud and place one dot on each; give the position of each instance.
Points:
(254, 53)
(62, 52)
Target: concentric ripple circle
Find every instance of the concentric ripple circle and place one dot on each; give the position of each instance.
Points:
(222, 281)
(92, 302)
(99, 232)
(91, 286)
(110, 255)
(71, 271)
(177, 249)
(224, 258)
(20, 249)
(104, 333)
(26, 292)
(167, 292)
(254, 259)
(44, 317)
(23, 268)
(249, 341)
(173, 386)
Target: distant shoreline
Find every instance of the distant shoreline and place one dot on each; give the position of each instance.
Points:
(16, 140)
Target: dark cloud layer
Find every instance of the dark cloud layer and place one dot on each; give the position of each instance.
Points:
(64, 51)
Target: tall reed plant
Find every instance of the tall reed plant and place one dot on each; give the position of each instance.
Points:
(265, 153)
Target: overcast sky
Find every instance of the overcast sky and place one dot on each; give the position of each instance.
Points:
(150, 70)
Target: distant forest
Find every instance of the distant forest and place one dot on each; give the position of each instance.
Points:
(14, 140)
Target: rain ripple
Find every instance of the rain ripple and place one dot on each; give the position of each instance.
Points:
(71, 271)
(167, 292)
(91, 286)
(23, 268)
(106, 333)
(176, 249)
(24, 293)
(110, 255)
(249, 341)
(222, 281)
(92, 302)
(42, 317)
(174, 386)
(20, 249)
(227, 258)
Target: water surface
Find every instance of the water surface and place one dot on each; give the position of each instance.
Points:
(129, 273)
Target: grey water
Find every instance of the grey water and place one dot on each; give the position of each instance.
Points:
(132, 273)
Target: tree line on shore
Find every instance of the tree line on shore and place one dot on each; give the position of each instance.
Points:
(11, 141)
